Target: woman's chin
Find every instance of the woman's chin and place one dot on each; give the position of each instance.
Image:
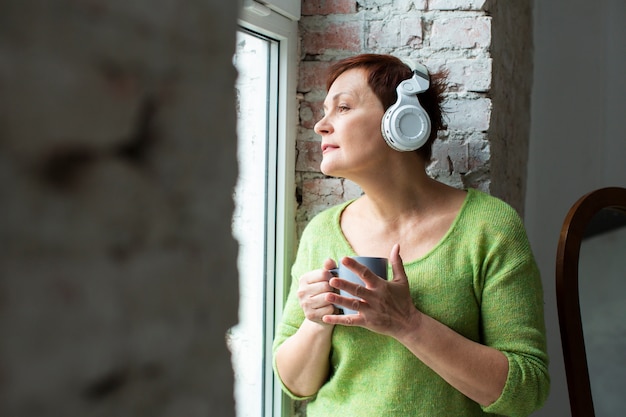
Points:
(326, 168)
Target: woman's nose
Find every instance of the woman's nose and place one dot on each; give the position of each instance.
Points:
(322, 126)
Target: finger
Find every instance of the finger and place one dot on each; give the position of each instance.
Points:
(352, 288)
(317, 313)
(313, 277)
(329, 264)
(366, 275)
(352, 303)
(396, 264)
(344, 319)
(307, 291)
(317, 302)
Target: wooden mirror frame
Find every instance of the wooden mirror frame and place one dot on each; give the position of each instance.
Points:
(567, 296)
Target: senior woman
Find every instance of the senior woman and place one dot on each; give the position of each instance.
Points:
(458, 329)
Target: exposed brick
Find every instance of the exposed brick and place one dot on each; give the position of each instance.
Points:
(326, 7)
(312, 76)
(309, 156)
(305, 134)
(321, 193)
(461, 32)
(337, 36)
(310, 113)
(306, 115)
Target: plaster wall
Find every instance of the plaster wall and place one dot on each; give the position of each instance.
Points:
(117, 164)
(577, 137)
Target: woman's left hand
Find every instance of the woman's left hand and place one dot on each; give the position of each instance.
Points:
(384, 307)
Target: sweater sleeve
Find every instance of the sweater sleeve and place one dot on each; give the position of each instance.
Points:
(512, 311)
(308, 258)
(293, 315)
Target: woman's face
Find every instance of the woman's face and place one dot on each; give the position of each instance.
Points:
(350, 129)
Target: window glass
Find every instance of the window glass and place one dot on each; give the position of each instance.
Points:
(264, 218)
(254, 214)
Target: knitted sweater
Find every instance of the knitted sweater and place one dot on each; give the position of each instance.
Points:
(481, 280)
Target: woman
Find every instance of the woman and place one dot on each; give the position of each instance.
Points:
(458, 330)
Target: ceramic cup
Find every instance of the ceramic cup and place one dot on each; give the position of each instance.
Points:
(377, 265)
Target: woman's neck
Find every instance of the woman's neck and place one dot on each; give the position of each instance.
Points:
(401, 188)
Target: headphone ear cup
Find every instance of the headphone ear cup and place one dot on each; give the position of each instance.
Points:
(405, 127)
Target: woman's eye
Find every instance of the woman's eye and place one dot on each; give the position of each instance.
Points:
(343, 108)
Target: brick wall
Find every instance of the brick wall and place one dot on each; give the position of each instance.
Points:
(453, 34)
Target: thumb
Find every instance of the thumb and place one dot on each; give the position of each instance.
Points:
(396, 264)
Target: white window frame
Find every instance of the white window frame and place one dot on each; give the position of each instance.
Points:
(266, 20)
(287, 8)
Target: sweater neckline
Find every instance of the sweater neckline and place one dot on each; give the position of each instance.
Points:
(337, 223)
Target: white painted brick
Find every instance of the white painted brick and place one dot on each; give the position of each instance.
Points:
(456, 4)
(467, 74)
(367, 4)
(469, 114)
(411, 32)
(461, 32)
(406, 5)
(383, 35)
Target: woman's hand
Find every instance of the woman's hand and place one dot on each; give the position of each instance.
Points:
(384, 307)
(302, 361)
(313, 291)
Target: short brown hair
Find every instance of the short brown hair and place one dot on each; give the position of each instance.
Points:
(385, 73)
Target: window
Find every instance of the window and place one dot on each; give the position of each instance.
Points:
(263, 222)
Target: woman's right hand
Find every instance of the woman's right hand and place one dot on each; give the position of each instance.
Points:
(312, 293)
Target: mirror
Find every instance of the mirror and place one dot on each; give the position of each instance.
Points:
(602, 295)
(593, 232)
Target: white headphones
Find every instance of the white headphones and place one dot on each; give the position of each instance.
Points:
(406, 125)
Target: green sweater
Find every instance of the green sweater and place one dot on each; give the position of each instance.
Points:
(481, 280)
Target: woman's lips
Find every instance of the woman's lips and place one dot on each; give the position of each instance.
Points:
(327, 147)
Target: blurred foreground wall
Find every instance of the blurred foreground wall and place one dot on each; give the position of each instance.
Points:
(118, 271)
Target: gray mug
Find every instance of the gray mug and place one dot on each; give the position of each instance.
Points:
(376, 265)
